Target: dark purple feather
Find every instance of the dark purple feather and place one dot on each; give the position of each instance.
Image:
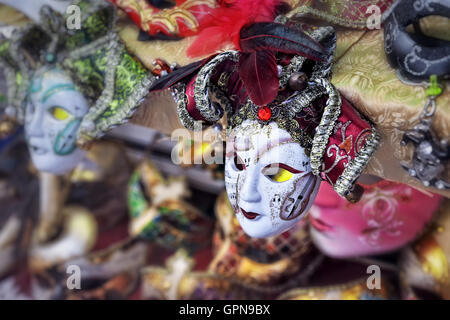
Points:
(279, 38)
(177, 75)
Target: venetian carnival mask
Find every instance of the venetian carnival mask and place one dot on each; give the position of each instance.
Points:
(54, 111)
(288, 127)
(268, 179)
(159, 212)
(386, 218)
(416, 56)
(69, 87)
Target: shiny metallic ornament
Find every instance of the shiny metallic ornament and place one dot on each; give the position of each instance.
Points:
(431, 155)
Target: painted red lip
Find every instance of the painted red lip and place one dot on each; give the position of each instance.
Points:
(320, 225)
(249, 215)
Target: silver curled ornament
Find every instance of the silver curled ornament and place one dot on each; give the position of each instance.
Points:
(431, 156)
(421, 60)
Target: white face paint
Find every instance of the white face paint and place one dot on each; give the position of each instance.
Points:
(268, 179)
(52, 117)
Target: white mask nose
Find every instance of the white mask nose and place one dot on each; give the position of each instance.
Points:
(249, 191)
(34, 128)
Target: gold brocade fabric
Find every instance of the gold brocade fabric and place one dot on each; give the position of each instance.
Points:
(361, 72)
(344, 13)
(9, 16)
(364, 77)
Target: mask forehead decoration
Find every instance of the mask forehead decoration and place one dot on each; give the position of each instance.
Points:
(69, 87)
(288, 126)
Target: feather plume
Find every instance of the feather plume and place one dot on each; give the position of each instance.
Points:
(177, 76)
(222, 27)
(259, 73)
(279, 38)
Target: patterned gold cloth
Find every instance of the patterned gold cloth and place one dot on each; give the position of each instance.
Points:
(363, 75)
(361, 72)
(344, 13)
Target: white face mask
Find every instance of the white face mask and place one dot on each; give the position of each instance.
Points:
(268, 179)
(52, 117)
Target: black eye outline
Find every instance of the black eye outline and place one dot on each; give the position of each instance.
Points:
(239, 165)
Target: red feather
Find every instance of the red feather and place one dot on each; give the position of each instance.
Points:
(259, 72)
(225, 22)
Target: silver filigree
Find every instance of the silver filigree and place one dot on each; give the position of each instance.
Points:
(327, 123)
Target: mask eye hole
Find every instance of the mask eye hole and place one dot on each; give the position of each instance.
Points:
(238, 163)
(421, 32)
(59, 113)
(279, 172)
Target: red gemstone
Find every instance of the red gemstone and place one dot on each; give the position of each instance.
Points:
(264, 113)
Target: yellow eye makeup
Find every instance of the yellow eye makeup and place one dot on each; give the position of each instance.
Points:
(281, 176)
(279, 172)
(60, 113)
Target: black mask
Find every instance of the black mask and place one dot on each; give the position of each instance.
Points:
(416, 56)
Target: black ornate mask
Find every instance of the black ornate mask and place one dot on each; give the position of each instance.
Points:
(416, 56)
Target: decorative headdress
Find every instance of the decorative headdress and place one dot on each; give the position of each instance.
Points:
(111, 79)
(279, 74)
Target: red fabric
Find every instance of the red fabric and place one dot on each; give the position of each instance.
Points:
(350, 136)
(309, 117)
(191, 105)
